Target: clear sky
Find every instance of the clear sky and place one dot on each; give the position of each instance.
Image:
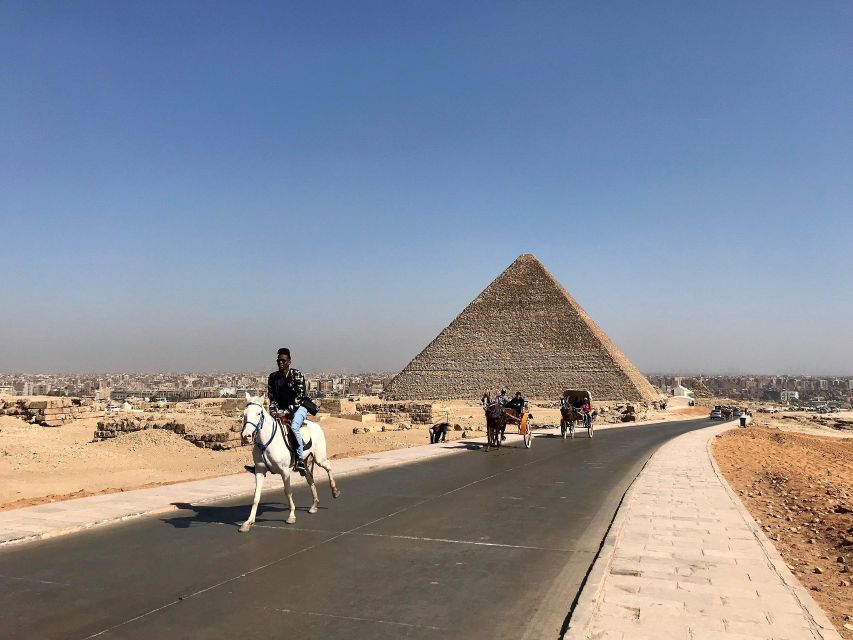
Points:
(187, 186)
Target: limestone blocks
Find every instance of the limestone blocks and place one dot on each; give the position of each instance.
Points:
(51, 412)
(217, 440)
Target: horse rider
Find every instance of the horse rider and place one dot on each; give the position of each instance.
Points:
(286, 389)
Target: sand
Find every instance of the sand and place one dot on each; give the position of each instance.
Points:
(799, 488)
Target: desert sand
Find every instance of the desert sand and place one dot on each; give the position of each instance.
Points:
(799, 488)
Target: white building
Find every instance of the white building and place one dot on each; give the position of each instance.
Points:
(680, 391)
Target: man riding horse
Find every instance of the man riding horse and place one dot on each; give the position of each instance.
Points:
(286, 390)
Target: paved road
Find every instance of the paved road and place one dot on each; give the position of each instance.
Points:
(477, 545)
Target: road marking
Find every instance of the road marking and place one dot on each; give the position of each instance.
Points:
(451, 541)
(402, 537)
(61, 584)
(332, 615)
(314, 546)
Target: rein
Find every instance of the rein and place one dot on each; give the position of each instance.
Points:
(260, 425)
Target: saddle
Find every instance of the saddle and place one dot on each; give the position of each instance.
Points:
(290, 441)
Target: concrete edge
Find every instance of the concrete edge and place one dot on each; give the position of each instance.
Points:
(822, 628)
(588, 602)
(386, 464)
(98, 524)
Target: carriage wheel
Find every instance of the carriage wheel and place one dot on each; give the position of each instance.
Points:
(589, 429)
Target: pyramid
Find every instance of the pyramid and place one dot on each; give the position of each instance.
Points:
(523, 332)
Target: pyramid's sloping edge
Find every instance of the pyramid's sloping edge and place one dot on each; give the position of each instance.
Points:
(640, 388)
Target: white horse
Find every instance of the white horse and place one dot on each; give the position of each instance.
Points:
(271, 453)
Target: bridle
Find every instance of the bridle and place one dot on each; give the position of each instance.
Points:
(258, 426)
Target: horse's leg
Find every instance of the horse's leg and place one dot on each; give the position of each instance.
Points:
(309, 477)
(285, 476)
(259, 485)
(325, 464)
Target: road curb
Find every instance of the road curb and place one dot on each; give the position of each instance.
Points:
(821, 625)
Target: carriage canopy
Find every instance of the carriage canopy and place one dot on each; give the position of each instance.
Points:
(576, 397)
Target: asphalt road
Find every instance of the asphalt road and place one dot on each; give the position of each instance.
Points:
(477, 545)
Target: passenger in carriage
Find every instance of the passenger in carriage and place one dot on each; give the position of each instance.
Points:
(586, 407)
(501, 398)
(516, 404)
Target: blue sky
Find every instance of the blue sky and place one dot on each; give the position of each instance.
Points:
(190, 185)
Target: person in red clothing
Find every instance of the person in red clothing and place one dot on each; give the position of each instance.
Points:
(587, 412)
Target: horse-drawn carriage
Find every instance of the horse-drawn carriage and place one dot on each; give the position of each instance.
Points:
(497, 417)
(572, 412)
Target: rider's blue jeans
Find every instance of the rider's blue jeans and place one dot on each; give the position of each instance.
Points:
(298, 419)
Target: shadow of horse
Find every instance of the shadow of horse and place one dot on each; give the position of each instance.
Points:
(231, 515)
(471, 446)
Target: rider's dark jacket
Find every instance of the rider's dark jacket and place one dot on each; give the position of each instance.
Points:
(516, 404)
(286, 392)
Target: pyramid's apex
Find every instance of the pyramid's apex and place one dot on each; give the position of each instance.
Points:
(527, 258)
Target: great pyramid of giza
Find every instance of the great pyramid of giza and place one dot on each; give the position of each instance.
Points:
(524, 332)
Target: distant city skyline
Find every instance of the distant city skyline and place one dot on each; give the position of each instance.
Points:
(189, 189)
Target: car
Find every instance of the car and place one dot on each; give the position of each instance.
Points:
(716, 414)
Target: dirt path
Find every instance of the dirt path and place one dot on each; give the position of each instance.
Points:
(799, 488)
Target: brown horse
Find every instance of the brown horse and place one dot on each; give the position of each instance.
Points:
(495, 422)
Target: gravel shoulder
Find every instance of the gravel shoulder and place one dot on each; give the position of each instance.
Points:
(799, 488)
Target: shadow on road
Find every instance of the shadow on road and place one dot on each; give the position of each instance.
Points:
(471, 446)
(226, 515)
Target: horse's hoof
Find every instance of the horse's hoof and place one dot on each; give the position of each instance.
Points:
(336, 493)
(244, 528)
(291, 519)
(313, 509)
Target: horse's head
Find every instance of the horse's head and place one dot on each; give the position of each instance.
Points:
(253, 417)
(492, 409)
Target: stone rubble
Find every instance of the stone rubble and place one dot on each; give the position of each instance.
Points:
(51, 412)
